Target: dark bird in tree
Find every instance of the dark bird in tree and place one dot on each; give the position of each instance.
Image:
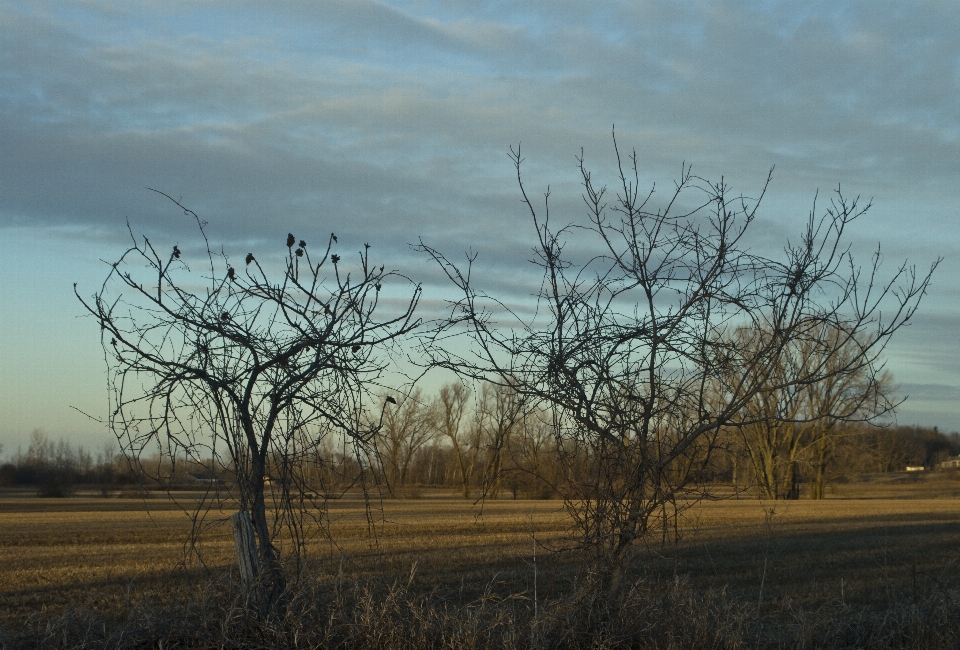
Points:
(249, 257)
(390, 400)
(355, 348)
(176, 252)
(291, 240)
(231, 273)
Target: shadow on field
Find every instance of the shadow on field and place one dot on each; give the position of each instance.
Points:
(771, 586)
(863, 566)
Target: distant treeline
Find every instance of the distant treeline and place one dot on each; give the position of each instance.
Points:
(475, 443)
(55, 467)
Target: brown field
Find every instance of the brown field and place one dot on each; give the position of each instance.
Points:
(103, 552)
(874, 542)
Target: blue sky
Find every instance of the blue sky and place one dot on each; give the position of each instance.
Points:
(388, 121)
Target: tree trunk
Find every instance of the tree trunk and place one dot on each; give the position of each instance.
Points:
(271, 578)
(243, 539)
(819, 468)
(494, 472)
(790, 482)
(464, 470)
(817, 486)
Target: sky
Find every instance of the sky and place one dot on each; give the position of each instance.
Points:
(387, 122)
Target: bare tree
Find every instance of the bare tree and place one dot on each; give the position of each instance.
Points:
(825, 377)
(454, 425)
(244, 372)
(406, 428)
(501, 412)
(771, 435)
(632, 344)
(864, 394)
(534, 456)
(891, 449)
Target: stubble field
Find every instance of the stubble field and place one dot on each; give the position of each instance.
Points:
(107, 553)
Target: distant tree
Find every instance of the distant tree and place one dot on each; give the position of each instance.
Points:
(938, 446)
(501, 414)
(891, 449)
(534, 459)
(50, 466)
(631, 343)
(8, 475)
(456, 427)
(860, 393)
(406, 428)
(770, 433)
(243, 371)
(824, 378)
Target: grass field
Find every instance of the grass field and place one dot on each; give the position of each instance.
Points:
(853, 551)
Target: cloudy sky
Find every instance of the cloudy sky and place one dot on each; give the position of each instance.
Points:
(390, 121)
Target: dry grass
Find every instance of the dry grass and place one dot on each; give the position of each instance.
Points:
(845, 568)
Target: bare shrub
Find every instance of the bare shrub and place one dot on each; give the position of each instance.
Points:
(243, 375)
(632, 346)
